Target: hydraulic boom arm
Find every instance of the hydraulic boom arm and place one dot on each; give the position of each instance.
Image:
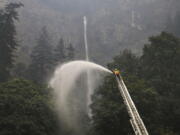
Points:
(135, 119)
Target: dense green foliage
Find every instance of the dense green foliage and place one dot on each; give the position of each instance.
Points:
(153, 81)
(160, 61)
(25, 109)
(8, 43)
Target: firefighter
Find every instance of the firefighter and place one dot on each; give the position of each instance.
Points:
(117, 73)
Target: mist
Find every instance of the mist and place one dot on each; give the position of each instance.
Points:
(114, 25)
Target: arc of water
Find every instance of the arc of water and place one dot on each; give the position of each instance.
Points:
(63, 83)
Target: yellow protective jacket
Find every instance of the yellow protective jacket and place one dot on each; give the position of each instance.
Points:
(116, 72)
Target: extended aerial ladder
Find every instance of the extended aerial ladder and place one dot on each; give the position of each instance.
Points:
(135, 119)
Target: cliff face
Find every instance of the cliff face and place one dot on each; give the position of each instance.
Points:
(112, 24)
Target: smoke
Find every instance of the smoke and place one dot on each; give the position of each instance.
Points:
(65, 81)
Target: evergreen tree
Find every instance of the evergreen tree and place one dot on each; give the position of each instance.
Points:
(70, 52)
(41, 57)
(8, 43)
(59, 52)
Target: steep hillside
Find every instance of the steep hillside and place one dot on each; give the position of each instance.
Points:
(112, 24)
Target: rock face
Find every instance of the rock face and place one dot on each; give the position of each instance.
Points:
(112, 24)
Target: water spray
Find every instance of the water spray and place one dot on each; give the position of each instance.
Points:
(64, 81)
